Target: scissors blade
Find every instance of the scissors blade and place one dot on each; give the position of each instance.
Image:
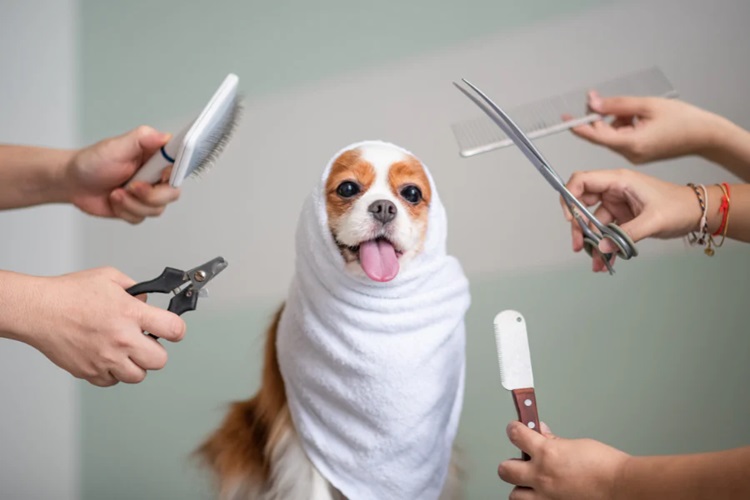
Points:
(201, 275)
(514, 133)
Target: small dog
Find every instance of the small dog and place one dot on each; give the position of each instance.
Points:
(377, 200)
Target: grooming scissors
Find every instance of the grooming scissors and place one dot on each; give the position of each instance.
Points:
(625, 246)
(186, 286)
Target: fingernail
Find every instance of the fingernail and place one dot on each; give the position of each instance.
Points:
(595, 102)
(117, 195)
(137, 188)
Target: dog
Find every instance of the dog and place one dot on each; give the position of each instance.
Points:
(365, 229)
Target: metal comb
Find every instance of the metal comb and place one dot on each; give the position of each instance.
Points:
(544, 117)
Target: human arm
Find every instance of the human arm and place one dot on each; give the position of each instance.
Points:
(89, 178)
(646, 129)
(644, 206)
(584, 469)
(86, 323)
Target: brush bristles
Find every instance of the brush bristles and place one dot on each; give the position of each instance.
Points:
(211, 148)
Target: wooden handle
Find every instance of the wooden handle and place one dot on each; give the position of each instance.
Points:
(525, 401)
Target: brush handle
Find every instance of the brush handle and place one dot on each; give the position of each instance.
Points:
(525, 401)
(151, 171)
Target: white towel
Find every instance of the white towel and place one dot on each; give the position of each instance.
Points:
(374, 372)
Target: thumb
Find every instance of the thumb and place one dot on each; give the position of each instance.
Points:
(148, 139)
(619, 106)
(638, 228)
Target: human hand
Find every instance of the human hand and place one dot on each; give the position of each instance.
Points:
(87, 324)
(560, 468)
(643, 206)
(96, 173)
(646, 129)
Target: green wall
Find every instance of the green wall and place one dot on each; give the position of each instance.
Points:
(658, 366)
(650, 361)
(132, 51)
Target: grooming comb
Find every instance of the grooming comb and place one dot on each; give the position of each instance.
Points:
(544, 117)
(197, 146)
(515, 366)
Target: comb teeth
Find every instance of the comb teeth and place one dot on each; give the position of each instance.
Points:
(498, 345)
(544, 117)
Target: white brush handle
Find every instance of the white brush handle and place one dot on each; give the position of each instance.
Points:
(151, 170)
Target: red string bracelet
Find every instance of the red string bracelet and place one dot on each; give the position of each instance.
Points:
(723, 209)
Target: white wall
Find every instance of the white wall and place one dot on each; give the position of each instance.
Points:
(38, 401)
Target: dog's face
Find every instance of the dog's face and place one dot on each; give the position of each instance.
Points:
(377, 199)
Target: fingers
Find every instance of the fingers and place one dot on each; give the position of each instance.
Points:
(106, 380)
(157, 196)
(576, 235)
(144, 201)
(619, 106)
(149, 354)
(603, 215)
(602, 133)
(163, 324)
(128, 372)
(593, 182)
(516, 471)
(118, 199)
(522, 493)
(148, 139)
(523, 438)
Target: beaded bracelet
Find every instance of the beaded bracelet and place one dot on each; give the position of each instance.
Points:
(693, 238)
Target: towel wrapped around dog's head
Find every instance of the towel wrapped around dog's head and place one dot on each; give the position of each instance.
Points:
(374, 371)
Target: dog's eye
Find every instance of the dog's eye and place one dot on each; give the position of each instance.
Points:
(347, 189)
(412, 194)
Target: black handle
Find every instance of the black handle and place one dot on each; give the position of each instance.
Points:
(185, 301)
(167, 281)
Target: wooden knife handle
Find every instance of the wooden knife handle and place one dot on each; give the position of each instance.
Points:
(525, 401)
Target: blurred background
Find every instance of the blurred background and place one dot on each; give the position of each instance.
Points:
(652, 360)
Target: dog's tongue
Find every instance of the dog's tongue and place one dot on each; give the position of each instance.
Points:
(378, 259)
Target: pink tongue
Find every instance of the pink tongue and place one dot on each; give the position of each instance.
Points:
(378, 259)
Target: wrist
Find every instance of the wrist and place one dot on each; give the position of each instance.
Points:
(722, 134)
(63, 175)
(621, 479)
(18, 295)
(53, 178)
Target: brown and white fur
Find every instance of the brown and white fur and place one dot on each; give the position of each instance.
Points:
(256, 452)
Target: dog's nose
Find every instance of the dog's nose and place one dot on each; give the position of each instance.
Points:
(383, 210)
